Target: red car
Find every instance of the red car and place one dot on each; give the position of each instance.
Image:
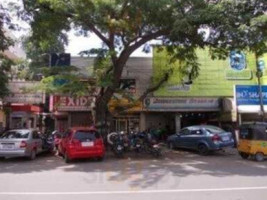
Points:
(82, 142)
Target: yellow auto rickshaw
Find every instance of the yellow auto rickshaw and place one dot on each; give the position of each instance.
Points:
(253, 140)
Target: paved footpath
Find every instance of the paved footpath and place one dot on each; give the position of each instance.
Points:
(180, 175)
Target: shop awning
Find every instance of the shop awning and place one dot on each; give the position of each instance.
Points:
(27, 108)
(250, 109)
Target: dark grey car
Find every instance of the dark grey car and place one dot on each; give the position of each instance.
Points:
(20, 143)
(204, 138)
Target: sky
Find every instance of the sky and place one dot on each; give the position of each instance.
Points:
(76, 43)
(79, 43)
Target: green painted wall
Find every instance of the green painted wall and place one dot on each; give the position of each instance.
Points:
(213, 80)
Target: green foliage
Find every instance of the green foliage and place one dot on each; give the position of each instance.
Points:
(5, 43)
(124, 25)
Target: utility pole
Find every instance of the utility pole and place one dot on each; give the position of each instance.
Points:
(259, 74)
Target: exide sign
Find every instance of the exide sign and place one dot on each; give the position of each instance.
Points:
(66, 103)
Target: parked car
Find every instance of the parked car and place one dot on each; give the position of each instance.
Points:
(204, 138)
(81, 142)
(20, 143)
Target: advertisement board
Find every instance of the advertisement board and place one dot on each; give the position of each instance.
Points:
(216, 77)
(249, 95)
(19, 93)
(67, 103)
(180, 104)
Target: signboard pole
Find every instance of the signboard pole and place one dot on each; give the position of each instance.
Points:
(261, 100)
(259, 75)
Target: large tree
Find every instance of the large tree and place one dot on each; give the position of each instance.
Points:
(5, 43)
(126, 25)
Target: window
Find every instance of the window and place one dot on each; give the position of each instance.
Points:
(196, 132)
(128, 85)
(213, 129)
(185, 131)
(15, 134)
(86, 135)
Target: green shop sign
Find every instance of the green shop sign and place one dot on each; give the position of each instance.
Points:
(216, 77)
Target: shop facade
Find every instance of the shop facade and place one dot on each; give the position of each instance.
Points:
(207, 99)
(248, 103)
(24, 109)
(175, 113)
(71, 111)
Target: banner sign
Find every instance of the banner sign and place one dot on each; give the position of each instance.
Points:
(216, 77)
(19, 95)
(66, 103)
(154, 103)
(249, 94)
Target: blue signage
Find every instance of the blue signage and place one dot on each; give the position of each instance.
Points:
(249, 94)
(237, 60)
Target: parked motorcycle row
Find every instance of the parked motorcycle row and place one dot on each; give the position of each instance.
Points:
(137, 142)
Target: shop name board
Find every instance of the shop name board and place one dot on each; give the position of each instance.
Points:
(239, 75)
(25, 98)
(249, 94)
(18, 93)
(65, 103)
(155, 103)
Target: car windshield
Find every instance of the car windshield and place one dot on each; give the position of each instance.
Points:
(86, 135)
(16, 134)
(214, 129)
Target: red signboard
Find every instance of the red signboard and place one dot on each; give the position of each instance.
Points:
(66, 103)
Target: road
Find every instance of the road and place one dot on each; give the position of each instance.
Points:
(179, 175)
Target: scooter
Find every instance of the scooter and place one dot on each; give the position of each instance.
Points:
(117, 143)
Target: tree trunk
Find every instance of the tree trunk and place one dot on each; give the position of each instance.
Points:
(102, 113)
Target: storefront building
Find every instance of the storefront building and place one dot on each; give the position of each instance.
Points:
(24, 108)
(71, 112)
(248, 103)
(207, 99)
(135, 80)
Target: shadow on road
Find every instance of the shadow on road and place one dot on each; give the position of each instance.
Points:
(142, 171)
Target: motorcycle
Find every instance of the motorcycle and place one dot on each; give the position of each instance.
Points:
(48, 143)
(118, 143)
(144, 143)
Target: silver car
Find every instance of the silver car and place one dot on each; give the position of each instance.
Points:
(20, 143)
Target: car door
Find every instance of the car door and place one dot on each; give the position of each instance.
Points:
(182, 137)
(193, 137)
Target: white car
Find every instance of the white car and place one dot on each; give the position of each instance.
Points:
(20, 143)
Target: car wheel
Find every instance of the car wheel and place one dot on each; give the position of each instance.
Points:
(33, 154)
(66, 158)
(244, 155)
(203, 149)
(171, 146)
(259, 157)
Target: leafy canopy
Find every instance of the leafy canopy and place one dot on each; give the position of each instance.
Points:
(125, 25)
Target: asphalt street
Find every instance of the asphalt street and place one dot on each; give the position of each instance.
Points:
(179, 175)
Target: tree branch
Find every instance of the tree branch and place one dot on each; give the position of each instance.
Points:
(99, 34)
(155, 87)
